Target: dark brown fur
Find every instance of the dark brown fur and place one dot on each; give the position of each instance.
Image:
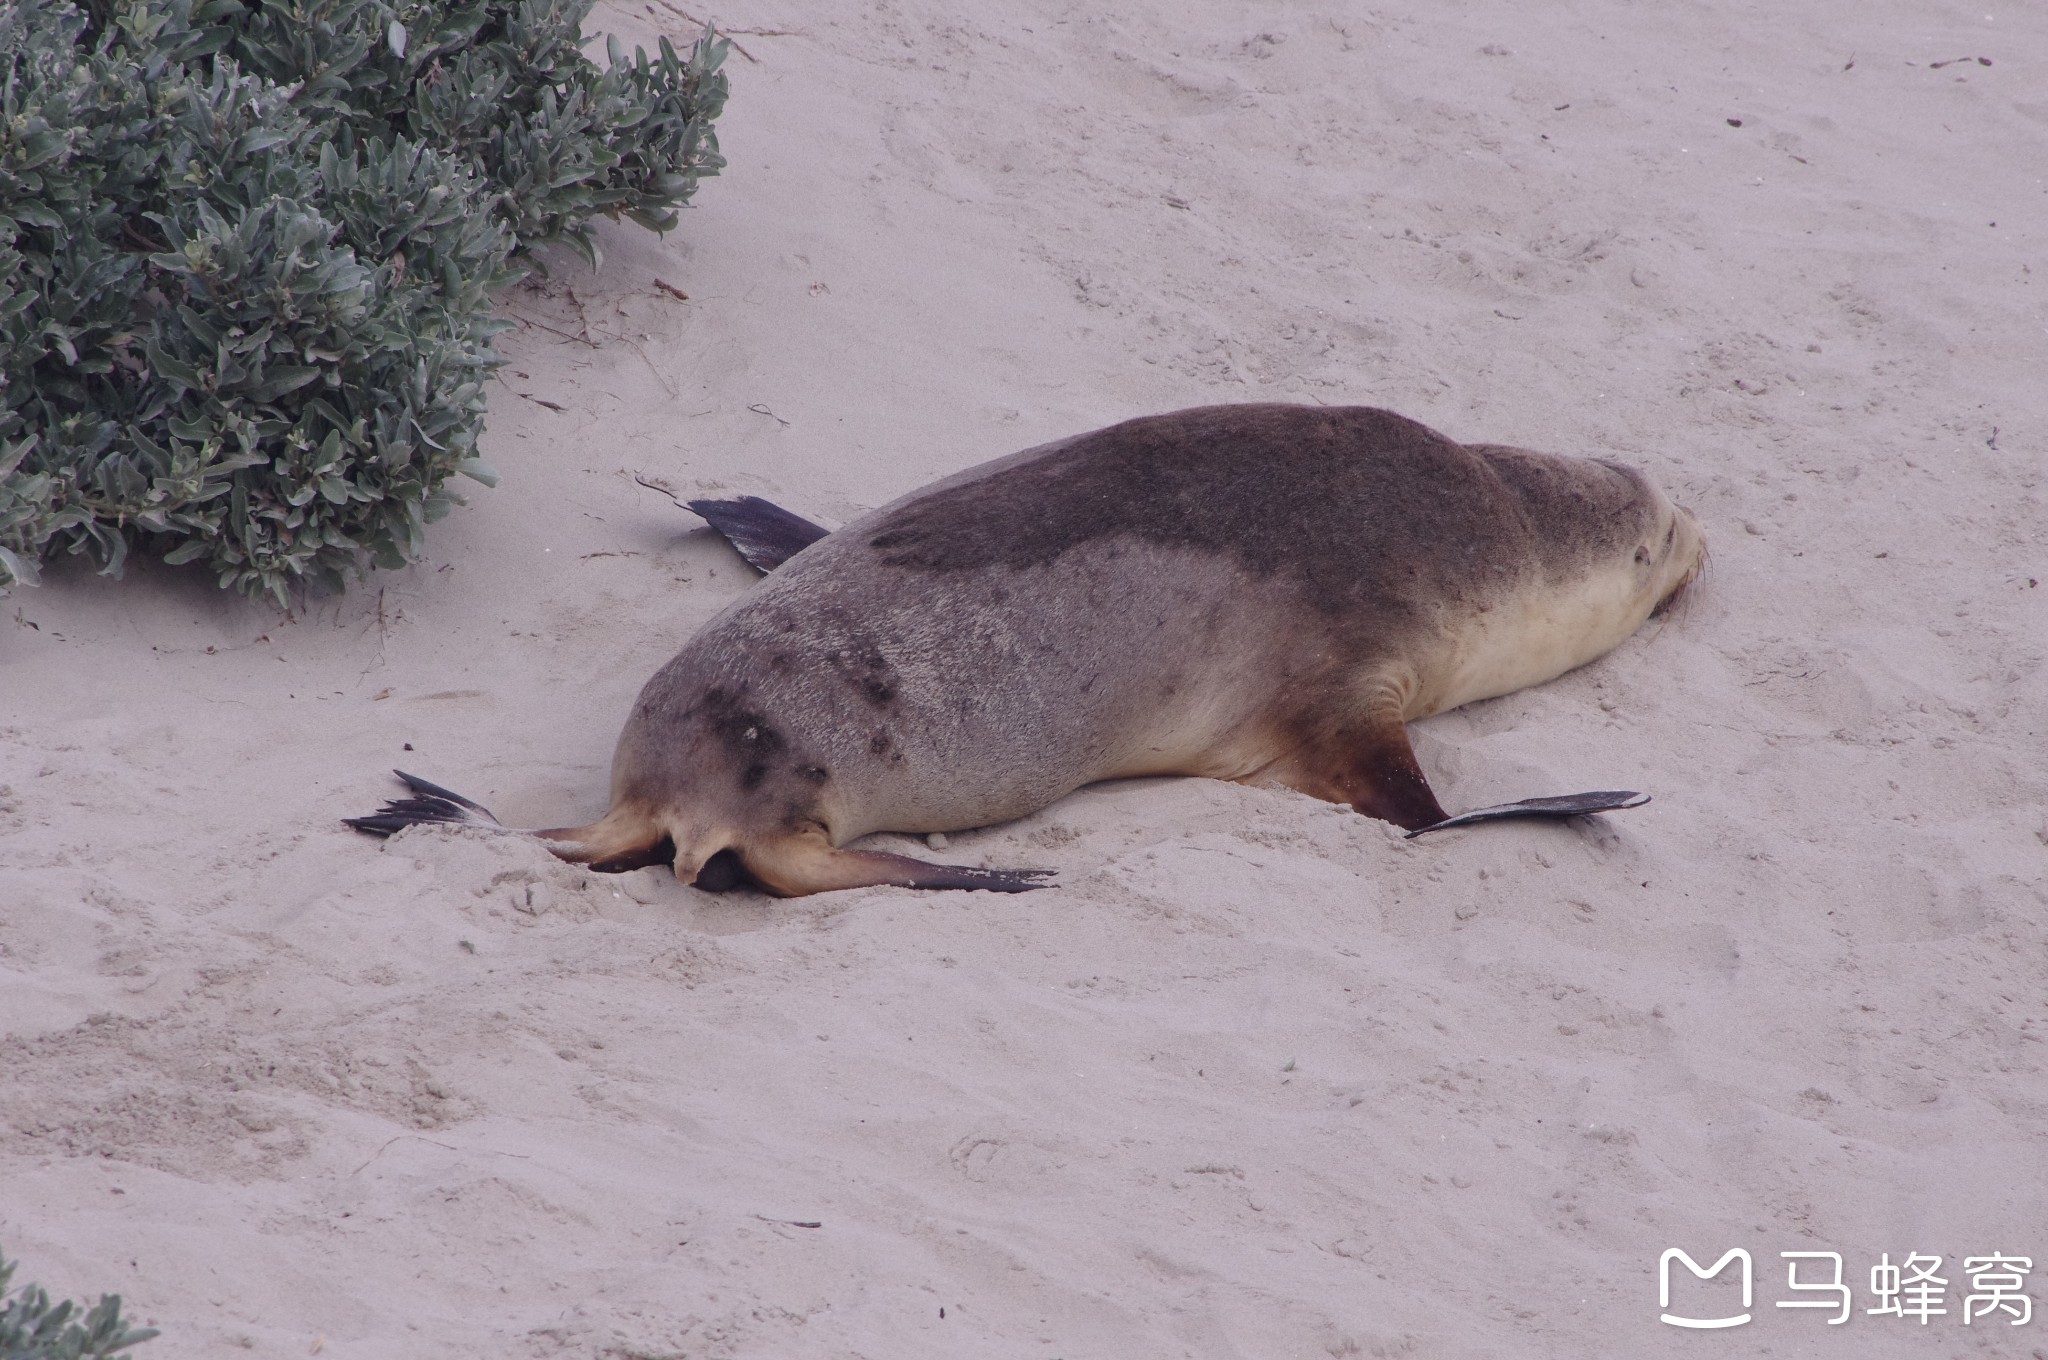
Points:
(1237, 479)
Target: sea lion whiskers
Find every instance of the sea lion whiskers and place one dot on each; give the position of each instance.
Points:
(1702, 556)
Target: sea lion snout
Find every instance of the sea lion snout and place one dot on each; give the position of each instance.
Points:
(1684, 558)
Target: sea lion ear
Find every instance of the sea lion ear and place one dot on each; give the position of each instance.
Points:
(763, 533)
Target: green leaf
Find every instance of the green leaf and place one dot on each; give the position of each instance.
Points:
(177, 370)
(16, 570)
(261, 139)
(278, 381)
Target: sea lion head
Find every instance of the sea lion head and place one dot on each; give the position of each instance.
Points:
(1604, 549)
(1637, 550)
(1677, 562)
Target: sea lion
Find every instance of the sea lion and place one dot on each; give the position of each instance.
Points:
(1263, 593)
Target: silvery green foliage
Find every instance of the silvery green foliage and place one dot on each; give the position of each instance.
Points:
(248, 248)
(32, 1328)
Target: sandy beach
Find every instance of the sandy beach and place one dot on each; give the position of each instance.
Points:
(1259, 1078)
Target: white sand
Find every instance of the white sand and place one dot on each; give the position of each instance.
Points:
(1259, 1079)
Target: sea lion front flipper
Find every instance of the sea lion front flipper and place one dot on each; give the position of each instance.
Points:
(761, 532)
(797, 865)
(1371, 767)
(1560, 805)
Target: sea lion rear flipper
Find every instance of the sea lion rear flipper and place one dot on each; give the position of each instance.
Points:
(795, 866)
(624, 838)
(1561, 805)
(761, 532)
(430, 804)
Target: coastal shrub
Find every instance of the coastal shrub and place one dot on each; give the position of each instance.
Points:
(33, 1328)
(248, 252)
